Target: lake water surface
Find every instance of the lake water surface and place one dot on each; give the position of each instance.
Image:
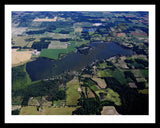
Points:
(45, 68)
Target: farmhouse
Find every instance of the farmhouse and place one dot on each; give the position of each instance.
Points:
(36, 52)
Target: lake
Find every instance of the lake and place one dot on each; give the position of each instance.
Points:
(43, 68)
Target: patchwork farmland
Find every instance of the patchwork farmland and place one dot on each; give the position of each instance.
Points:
(80, 63)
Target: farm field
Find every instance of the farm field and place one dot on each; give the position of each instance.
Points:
(45, 19)
(57, 45)
(18, 30)
(100, 82)
(20, 78)
(52, 53)
(31, 110)
(88, 93)
(109, 95)
(73, 92)
(58, 49)
(20, 57)
(109, 110)
(20, 41)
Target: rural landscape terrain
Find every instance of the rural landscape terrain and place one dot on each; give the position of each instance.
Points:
(80, 63)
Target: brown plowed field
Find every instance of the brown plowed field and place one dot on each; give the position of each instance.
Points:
(19, 57)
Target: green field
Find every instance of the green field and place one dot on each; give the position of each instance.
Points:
(20, 78)
(109, 95)
(32, 110)
(72, 92)
(54, 53)
(119, 75)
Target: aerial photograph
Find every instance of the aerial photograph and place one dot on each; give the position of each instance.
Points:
(80, 63)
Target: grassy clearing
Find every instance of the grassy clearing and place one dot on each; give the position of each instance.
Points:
(109, 95)
(18, 30)
(87, 92)
(121, 63)
(57, 35)
(20, 78)
(59, 111)
(102, 73)
(101, 82)
(59, 103)
(57, 45)
(140, 73)
(119, 75)
(32, 110)
(109, 110)
(29, 110)
(102, 65)
(90, 94)
(78, 29)
(33, 102)
(21, 41)
(143, 91)
(72, 92)
(54, 53)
